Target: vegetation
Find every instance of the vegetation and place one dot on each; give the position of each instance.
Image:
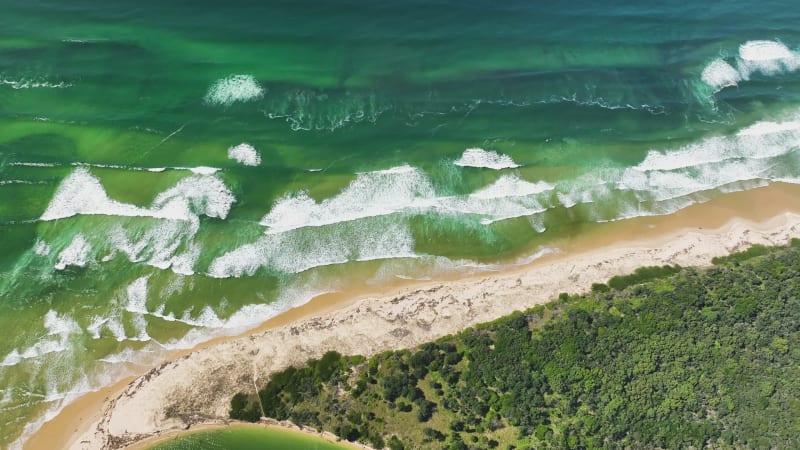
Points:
(664, 358)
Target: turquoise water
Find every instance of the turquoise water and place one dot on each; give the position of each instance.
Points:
(171, 171)
(247, 438)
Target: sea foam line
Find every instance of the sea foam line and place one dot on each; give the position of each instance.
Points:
(200, 170)
(33, 84)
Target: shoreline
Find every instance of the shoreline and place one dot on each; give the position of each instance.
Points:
(408, 313)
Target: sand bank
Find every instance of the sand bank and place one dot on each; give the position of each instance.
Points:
(195, 388)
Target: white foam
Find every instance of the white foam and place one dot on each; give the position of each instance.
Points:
(201, 194)
(758, 141)
(370, 194)
(478, 157)
(183, 264)
(82, 193)
(96, 325)
(33, 84)
(175, 287)
(404, 189)
(158, 246)
(60, 399)
(117, 329)
(208, 319)
(249, 258)
(506, 198)
(59, 329)
(764, 128)
(11, 359)
(719, 75)
(159, 312)
(75, 254)
(201, 170)
(512, 186)
(728, 163)
(244, 153)
(33, 164)
(587, 188)
(7, 182)
(140, 327)
(41, 248)
(235, 88)
(137, 295)
(768, 58)
(669, 206)
(300, 250)
(765, 51)
(246, 318)
(127, 355)
(536, 255)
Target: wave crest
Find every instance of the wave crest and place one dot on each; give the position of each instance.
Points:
(244, 153)
(768, 58)
(489, 159)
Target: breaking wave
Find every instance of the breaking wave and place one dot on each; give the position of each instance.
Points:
(478, 157)
(245, 154)
(82, 193)
(767, 58)
(233, 89)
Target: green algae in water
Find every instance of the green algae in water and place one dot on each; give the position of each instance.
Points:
(248, 438)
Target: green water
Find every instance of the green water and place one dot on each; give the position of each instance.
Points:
(247, 438)
(384, 141)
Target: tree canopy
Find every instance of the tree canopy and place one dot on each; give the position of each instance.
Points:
(667, 357)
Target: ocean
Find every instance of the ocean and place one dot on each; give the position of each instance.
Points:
(174, 171)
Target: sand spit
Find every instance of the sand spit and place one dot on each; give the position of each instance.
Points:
(196, 388)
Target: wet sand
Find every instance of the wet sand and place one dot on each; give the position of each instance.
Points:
(194, 387)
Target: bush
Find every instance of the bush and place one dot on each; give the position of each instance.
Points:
(457, 425)
(641, 275)
(328, 365)
(395, 444)
(750, 253)
(426, 410)
(243, 407)
(377, 442)
(433, 435)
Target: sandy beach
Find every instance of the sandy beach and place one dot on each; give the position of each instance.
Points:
(194, 388)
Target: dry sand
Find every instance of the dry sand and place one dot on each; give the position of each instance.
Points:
(196, 387)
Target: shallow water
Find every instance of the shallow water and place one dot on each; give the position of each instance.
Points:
(171, 171)
(247, 438)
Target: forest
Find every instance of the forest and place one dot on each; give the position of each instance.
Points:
(666, 357)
